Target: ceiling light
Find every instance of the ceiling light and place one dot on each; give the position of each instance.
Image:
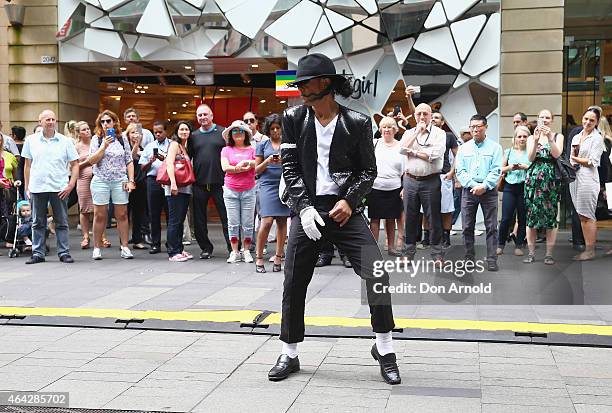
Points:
(196, 96)
(138, 87)
(143, 91)
(136, 91)
(184, 105)
(120, 88)
(123, 68)
(145, 87)
(174, 113)
(228, 90)
(187, 67)
(283, 101)
(221, 90)
(169, 120)
(262, 101)
(255, 66)
(118, 98)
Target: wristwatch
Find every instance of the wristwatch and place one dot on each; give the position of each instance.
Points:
(132, 181)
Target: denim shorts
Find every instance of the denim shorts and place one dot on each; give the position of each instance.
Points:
(103, 191)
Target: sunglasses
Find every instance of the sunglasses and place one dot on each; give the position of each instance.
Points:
(105, 121)
(250, 120)
(237, 131)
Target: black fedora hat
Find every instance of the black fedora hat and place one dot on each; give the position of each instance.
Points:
(312, 66)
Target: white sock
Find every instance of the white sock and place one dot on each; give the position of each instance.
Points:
(384, 343)
(290, 350)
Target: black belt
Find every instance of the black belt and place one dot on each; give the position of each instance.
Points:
(422, 178)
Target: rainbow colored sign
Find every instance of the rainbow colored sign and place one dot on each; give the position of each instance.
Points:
(282, 78)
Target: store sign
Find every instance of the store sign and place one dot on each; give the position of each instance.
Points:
(282, 78)
(363, 86)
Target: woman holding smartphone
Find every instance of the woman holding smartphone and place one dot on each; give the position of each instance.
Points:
(587, 147)
(113, 170)
(138, 197)
(269, 169)
(542, 191)
(514, 170)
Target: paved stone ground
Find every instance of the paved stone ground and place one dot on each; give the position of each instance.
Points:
(202, 372)
(151, 282)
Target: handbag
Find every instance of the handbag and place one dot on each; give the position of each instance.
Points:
(502, 179)
(564, 171)
(183, 171)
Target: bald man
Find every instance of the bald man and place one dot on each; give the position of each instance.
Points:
(47, 156)
(424, 147)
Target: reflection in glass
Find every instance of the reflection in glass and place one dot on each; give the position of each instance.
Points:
(77, 24)
(231, 44)
(184, 16)
(484, 98)
(126, 18)
(402, 20)
(484, 7)
(348, 8)
(213, 17)
(435, 78)
(359, 38)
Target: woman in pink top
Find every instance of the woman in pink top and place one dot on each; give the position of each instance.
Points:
(238, 163)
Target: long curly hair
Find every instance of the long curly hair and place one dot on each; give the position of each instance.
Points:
(99, 130)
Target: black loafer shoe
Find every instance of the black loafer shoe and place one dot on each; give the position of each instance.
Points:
(66, 258)
(388, 366)
(205, 255)
(35, 259)
(155, 249)
(283, 368)
(492, 266)
(323, 261)
(346, 262)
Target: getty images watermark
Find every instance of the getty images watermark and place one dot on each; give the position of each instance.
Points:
(412, 268)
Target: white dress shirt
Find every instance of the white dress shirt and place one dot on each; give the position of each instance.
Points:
(325, 185)
(433, 142)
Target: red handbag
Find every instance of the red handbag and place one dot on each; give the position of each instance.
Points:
(183, 171)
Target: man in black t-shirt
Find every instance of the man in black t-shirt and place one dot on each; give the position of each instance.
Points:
(204, 148)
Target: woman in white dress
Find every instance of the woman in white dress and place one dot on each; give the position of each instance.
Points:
(587, 147)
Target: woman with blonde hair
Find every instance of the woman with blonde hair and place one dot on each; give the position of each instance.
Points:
(86, 206)
(514, 170)
(384, 201)
(113, 170)
(587, 147)
(137, 204)
(542, 191)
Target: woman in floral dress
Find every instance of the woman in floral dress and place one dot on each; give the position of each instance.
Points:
(542, 191)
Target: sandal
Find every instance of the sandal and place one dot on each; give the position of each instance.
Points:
(259, 268)
(273, 258)
(530, 259)
(549, 260)
(277, 267)
(85, 244)
(106, 243)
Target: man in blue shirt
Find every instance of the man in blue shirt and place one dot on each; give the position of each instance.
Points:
(150, 161)
(47, 156)
(478, 168)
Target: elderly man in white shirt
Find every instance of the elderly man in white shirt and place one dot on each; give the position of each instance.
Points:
(424, 147)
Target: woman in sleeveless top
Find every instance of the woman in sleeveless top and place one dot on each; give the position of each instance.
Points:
(542, 191)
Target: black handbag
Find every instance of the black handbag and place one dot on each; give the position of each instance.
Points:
(564, 171)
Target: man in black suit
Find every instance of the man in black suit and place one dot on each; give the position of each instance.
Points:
(329, 167)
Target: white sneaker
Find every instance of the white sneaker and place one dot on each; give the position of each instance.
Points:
(97, 254)
(233, 257)
(478, 232)
(126, 253)
(453, 232)
(246, 255)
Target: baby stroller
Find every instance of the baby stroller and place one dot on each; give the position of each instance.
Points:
(15, 221)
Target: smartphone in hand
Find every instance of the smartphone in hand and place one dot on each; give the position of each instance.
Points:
(110, 132)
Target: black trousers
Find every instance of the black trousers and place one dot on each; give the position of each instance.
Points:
(426, 193)
(157, 203)
(356, 241)
(201, 195)
(138, 212)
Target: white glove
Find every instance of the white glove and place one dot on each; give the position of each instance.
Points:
(310, 217)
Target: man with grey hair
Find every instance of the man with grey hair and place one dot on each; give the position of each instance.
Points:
(47, 156)
(424, 147)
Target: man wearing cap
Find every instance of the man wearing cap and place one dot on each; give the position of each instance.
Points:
(329, 167)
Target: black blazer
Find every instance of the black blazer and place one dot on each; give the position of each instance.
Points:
(352, 165)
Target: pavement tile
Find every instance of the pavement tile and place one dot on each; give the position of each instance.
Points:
(432, 404)
(321, 408)
(172, 278)
(513, 350)
(139, 355)
(306, 358)
(440, 346)
(29, 378)
(105, 376)
(114, 365)
(452, 368)
(447, 361)
(589, 390)
(150, 403)
(200, 365)
(50, 362)
(519, 371)
(526, 400)
(276, 397)
(597, 371)
(312, 390)
(88, 394)
(592, 399)
(411, 390)
(374, 403)
(521, 382)
(592, 408)
(126, 298)
(505, 408)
